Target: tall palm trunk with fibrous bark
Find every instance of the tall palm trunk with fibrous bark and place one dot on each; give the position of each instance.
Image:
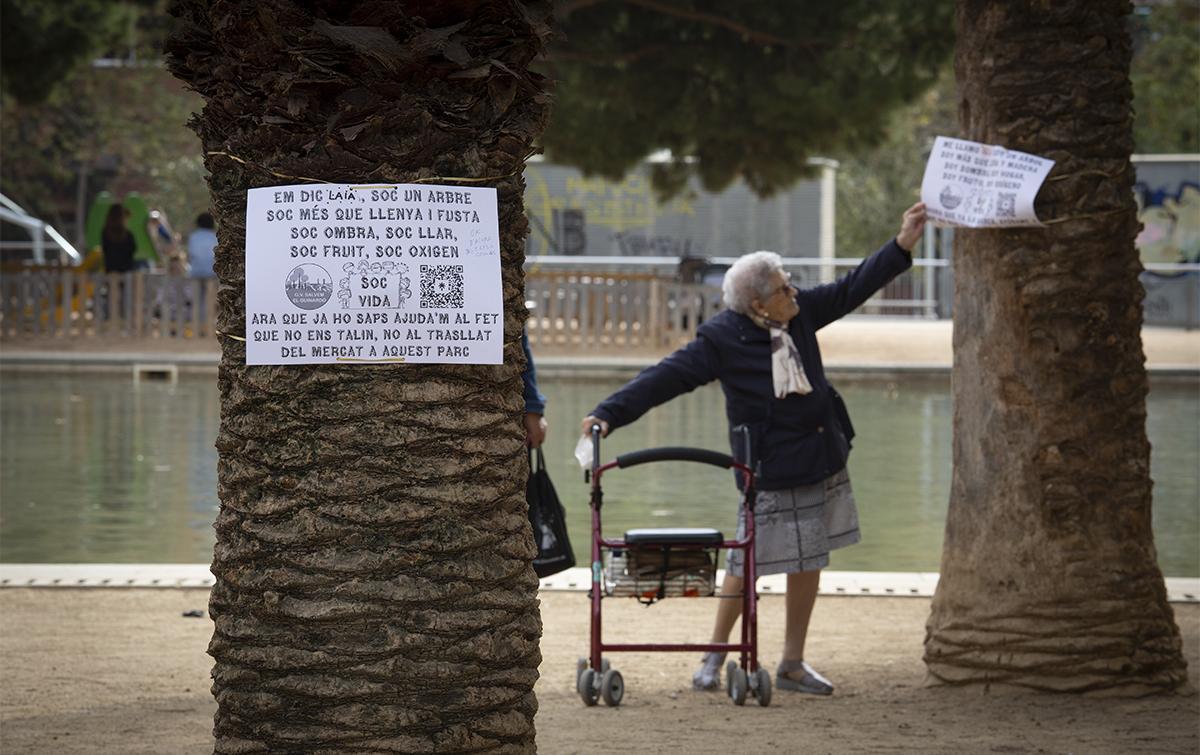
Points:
(373, 583)
(1049, 576)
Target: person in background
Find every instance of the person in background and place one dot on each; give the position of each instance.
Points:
(535, 403)
(201, 247)
(116, 241)
(158, 228)
(786, 422)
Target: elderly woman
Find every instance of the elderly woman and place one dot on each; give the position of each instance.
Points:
(786, 422)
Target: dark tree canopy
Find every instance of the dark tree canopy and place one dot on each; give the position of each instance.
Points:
(1166, 77)
(749, 90)
(41, 42)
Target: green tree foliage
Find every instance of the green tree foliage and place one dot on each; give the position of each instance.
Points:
(41, 42)
(124, 128)
(1166, 77)
(745, 90)
(68, 123)
(875, 186)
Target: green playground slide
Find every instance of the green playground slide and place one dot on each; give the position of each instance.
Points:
(139, 215)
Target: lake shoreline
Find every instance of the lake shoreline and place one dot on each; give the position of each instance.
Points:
(834, 582)
(852, 345)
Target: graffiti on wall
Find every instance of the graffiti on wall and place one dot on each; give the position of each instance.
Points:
(563, 219)
(1170, 223)
(635, 244)
(1170, 233)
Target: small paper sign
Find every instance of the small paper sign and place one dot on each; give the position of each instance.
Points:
(975, 185)
(338, 273)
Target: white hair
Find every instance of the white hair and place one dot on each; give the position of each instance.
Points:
(751, 277)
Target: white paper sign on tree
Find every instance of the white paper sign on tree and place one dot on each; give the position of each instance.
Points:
(975, 185)
(338, 273)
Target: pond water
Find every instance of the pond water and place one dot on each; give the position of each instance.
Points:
(98, 469)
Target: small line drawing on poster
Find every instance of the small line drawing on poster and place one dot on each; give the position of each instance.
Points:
(378, 284)
(308, 286)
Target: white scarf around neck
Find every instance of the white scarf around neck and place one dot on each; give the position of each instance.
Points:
(787, 370)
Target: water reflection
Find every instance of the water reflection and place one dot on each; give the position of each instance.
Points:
(900, 468)
(99, 469)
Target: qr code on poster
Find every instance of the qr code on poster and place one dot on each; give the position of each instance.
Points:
(441, 286)
(1006, 205)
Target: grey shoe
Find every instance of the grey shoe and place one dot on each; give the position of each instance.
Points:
(708, 676)
(798, 676)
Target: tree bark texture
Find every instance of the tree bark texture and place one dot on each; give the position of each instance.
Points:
(1049, 576)
(373, 583)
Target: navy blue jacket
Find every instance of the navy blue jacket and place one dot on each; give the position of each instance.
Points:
(798, 440)
(535, 401)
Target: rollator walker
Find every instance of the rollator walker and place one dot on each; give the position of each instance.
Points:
(653, 564)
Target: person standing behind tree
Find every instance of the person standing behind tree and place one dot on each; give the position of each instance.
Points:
(535, 401)
(116, 242)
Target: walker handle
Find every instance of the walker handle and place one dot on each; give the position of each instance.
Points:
(675, 453)
(596, 431)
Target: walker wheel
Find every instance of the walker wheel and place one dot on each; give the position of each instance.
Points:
(612, 688)
(580, 665)
(762, 686)
(737, 686)
(587, 687)
(604, 665)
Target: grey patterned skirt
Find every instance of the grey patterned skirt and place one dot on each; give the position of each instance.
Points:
(795, 529)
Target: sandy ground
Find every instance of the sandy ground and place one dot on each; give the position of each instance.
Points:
(121, 671)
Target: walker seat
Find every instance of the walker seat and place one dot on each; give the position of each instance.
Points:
(671, 562)
(674, 536)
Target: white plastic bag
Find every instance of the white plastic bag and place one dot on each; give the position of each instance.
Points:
(584, 452)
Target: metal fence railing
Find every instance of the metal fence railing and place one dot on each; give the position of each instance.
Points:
(68, 304)
(600, 309)
(588, 305)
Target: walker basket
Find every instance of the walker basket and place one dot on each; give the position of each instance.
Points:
(663, 563)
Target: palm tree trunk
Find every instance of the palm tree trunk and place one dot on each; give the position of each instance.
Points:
(1049, 576)
(374, 590)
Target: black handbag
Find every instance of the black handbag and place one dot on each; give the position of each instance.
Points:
(548, 520)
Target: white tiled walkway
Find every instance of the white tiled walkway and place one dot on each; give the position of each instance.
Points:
(869, 583)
